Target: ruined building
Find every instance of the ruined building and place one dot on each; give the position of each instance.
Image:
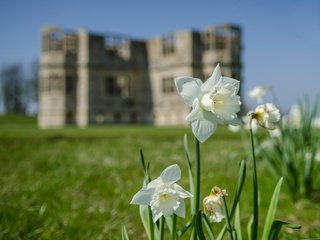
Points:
(87, 78)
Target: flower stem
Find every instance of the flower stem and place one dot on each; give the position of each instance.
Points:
(174, 227)
(229, 228)
(254, 229)
(162, 220)
(151, 225)
(197, 182)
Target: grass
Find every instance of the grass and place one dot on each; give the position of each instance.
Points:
(76, 183)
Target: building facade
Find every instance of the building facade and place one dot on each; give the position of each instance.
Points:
(87, 78)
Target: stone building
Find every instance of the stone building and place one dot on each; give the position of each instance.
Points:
(87, 78)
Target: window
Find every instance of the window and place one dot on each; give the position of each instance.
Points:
(220, 42)
(53, 82)
(207, 41)
(168, 85)
(117, 86)
(70, 85)
(54, 41)
(168, 45)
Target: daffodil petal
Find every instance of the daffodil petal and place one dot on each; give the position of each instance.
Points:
(203, 129)
(181, 210)
(196, 112)
(182, 193)
(188, 88)
(156, 215)
(154, 183)
(213, 80)
(230, 84)
(143, 197)
(171, 174)
(203, 123)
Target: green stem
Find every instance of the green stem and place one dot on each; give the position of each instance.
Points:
(197, 183)
(162, 220)
(174, 227)
(254, 230)
(197, 197)
(151, 225)
(229, 228)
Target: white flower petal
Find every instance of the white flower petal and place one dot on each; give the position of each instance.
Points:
(143, 197)
(196, 112)
(188, 88)
(156, 215)
(227, 106)
(171, 174)
(154, 183)
(182, 193)
(213, 80)
(181, 210)
(230, 84)
(203, 129)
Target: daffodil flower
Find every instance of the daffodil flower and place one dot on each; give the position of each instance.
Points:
(257, 93)
(214, 101)
(163, 195)
(213, 205)
(266, 115)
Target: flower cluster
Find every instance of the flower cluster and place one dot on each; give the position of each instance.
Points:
(213, 102)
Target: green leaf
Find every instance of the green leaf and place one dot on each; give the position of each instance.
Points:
(198, 226)
(191, 181)
(237, 225)
(272, 210)
(276, 227)
(169, 222)
(222, 232)
(124, 233)
(184, 228)
(241, 179)
(146, 221)
(208, 227)
(249, 227)
(145, 168)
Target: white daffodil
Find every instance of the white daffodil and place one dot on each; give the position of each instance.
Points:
(266, 115)
(215, 101)
(257, 93)
(163, 195)
(213, 206)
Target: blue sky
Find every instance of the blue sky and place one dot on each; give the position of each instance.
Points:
(281, 39)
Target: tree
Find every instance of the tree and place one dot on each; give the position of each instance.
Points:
(12, 88)
(31, 88)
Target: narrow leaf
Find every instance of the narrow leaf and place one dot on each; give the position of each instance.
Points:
(249, 227)
(276, 227)
(124, 233)
(241, 178)
(208, 227)
(237, 225)
(198, 226)
(272, 210)
(145, 218)
(191, 181)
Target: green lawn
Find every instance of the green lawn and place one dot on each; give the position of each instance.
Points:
(76, 183)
